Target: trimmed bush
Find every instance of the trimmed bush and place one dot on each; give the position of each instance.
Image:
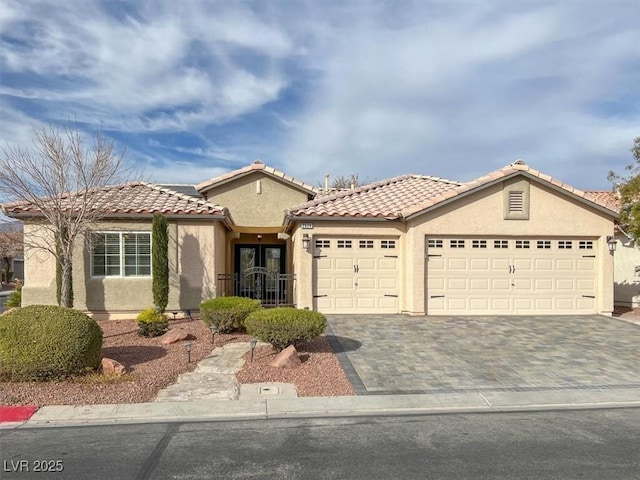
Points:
(45, 342)
(152, 323)
(15, 298)
(228, 313)
(285, 326)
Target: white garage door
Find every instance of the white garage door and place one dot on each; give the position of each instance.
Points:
(510, 276)
(356, 275)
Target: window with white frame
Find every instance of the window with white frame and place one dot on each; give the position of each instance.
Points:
(585, 245)
(544, 244)
(456, 243)
(501, 244)
(121, 254)
(321, 243)
(478, 244)
(344, 243)
(434, 243)
(565, 244)
(522, 244)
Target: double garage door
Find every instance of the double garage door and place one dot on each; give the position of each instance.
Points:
(356, 275)
(510, 276)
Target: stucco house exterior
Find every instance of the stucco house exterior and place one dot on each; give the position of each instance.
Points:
(514, 241)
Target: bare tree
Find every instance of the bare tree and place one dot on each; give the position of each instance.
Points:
(57, 184)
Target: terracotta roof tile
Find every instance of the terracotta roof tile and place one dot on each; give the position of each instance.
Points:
(136, 198)
(604, 197)
(257, 165)
(384, 199)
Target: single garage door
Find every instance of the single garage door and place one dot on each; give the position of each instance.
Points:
(355, 275)
(510, 276)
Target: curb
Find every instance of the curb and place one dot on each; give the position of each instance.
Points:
(326, 407)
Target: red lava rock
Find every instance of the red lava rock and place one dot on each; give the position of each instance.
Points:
(174, 335)
(110, 365)
(287, 358)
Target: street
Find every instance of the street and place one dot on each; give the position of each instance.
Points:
(598, 444)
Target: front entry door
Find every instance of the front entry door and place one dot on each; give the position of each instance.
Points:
(257, 268)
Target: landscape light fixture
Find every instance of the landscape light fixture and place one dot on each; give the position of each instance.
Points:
(252, 344)
(174, 314)
(214, 330)
(611, 242)
(305, 241)
(187, 347)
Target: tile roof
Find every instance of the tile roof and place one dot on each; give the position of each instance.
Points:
(605, 197)
(384, 199)
(256, 166)
(134, 198)
(411, 195)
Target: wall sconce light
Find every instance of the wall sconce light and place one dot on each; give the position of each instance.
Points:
(252, 344)
(611, 242)
(187, 347)
(214, 330)
(305, 241)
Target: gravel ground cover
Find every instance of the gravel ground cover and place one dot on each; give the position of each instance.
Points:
(152, 366)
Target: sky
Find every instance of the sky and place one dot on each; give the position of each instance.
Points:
(453, 89)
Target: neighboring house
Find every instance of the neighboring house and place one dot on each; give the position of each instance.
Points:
(11, 249)
(515, 241)
(627, 260)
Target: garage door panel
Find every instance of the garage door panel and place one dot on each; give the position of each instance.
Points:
(457, 264)
(479, 303)
(503, 279)
(479, 264)
(457, 284)
(365, 264)
(500, 284)
(586, 265)
(388, 303)
(543, 284)
(543, 264)
(388, 264)
(343, 264)
(388, 284)
(343, 283)
(476, 284)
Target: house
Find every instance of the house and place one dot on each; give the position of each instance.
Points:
(514, 241)
(11, 261)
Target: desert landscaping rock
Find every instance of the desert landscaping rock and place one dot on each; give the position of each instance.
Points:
(111, 366)
(287, 358)
(174, 335)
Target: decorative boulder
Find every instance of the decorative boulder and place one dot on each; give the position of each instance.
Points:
(288, 358)
(174, 335)
(113, 367)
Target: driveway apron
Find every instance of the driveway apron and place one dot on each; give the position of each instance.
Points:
(396, 354)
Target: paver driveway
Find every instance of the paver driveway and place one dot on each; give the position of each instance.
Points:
(391, 354)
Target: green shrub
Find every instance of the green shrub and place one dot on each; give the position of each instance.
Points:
(284, 326)
(15, 298)
(43, 342)
(228, 313)
(152, 323)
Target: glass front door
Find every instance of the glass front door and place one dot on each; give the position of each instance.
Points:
(257, 269)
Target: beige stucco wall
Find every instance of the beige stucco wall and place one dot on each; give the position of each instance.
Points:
(39, 268)
(193, 264)
(551, 215)
(627, 281)
(256, 199)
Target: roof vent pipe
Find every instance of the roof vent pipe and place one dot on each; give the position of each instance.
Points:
(326, 183)
(352, 183)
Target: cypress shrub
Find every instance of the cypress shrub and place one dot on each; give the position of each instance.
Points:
(47, 342)
(160, 261)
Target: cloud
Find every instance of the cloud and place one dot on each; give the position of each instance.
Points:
(156, 69)
(454, 89)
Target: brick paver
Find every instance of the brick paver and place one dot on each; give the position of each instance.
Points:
(401, 354)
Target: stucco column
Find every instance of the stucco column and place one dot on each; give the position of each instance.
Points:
(303, 269)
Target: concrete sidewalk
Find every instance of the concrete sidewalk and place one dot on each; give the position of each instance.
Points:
(314, 407)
